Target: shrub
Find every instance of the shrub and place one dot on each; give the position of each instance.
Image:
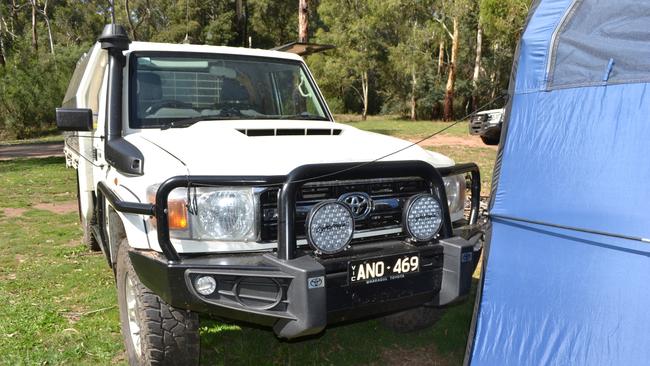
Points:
(31, 87)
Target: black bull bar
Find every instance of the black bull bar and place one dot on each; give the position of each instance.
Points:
(290, 185)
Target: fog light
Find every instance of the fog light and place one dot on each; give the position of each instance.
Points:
(423, 217)
(329, 227)
(205, 285)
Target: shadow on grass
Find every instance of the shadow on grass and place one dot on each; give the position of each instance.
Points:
(360, 343)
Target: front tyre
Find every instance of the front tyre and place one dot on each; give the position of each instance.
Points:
(154, 333)
(488, 140)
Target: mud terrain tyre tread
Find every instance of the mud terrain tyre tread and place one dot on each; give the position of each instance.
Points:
(413, 319)
(169, 336)
(88, 238)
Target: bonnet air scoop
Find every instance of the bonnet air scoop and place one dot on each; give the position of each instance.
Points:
(259, 132)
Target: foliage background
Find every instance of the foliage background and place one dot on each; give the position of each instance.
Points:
(397, 51)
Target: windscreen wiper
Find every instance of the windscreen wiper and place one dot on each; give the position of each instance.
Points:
(305, 116)
(187, 122)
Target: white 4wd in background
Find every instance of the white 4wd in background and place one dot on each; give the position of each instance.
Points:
(215, 180)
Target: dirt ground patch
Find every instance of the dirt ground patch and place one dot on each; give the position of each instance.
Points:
(8, 276)
(447, 140)
(14, 212)
(59, 207)
(423, 356)
(72, 243)
(38, 150)
(119, 358)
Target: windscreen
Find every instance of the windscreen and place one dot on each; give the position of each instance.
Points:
(179, 87)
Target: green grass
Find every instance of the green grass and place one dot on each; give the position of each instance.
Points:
(26, 182)
(53, 136)
(59, 301)
(51, 287)
(358, 343)
(482, 156)
(393, 126)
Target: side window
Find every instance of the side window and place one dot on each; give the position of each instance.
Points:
(602, 42)
(99, 118)
(294, 95)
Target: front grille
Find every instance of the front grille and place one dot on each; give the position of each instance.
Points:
(388, 195)
(478, 123)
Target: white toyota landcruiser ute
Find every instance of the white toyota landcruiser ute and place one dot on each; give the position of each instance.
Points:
(215, 180)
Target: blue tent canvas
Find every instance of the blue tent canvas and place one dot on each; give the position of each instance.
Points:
(567, 265)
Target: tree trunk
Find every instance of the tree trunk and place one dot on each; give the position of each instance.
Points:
(493, 80)
(303, 21)
(435, 112)
(496, 75)
(477, 66)
(2, 43)
(364, 91)
(127, 10)
(12, 19)
(414, 81)
(34, 34)
(451, 79)
(441, 56)
(3, 62)
(240, 10)
(49, 29)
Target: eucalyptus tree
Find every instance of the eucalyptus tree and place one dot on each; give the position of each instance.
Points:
(502, 22)
(449, 14)
(412, 53)
(272, 23)
(354, 26)
(3, 51)
(395, 56)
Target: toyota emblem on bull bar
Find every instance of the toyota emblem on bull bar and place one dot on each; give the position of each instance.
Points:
(359, 202)
(316, 282)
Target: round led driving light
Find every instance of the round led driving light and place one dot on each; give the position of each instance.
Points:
(329, 227)
(423, 217)
(205, 285)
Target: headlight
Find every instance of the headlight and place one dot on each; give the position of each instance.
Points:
(329, 227)
(220, 213)
(455, 189)
(226, 214)
(423, 217)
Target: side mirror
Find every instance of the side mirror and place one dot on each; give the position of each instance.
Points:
(74, 119)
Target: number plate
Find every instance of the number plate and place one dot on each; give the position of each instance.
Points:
(383, 269)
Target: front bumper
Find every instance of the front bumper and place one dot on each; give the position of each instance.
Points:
(484, 125)
(292, 290)
(300, 296)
